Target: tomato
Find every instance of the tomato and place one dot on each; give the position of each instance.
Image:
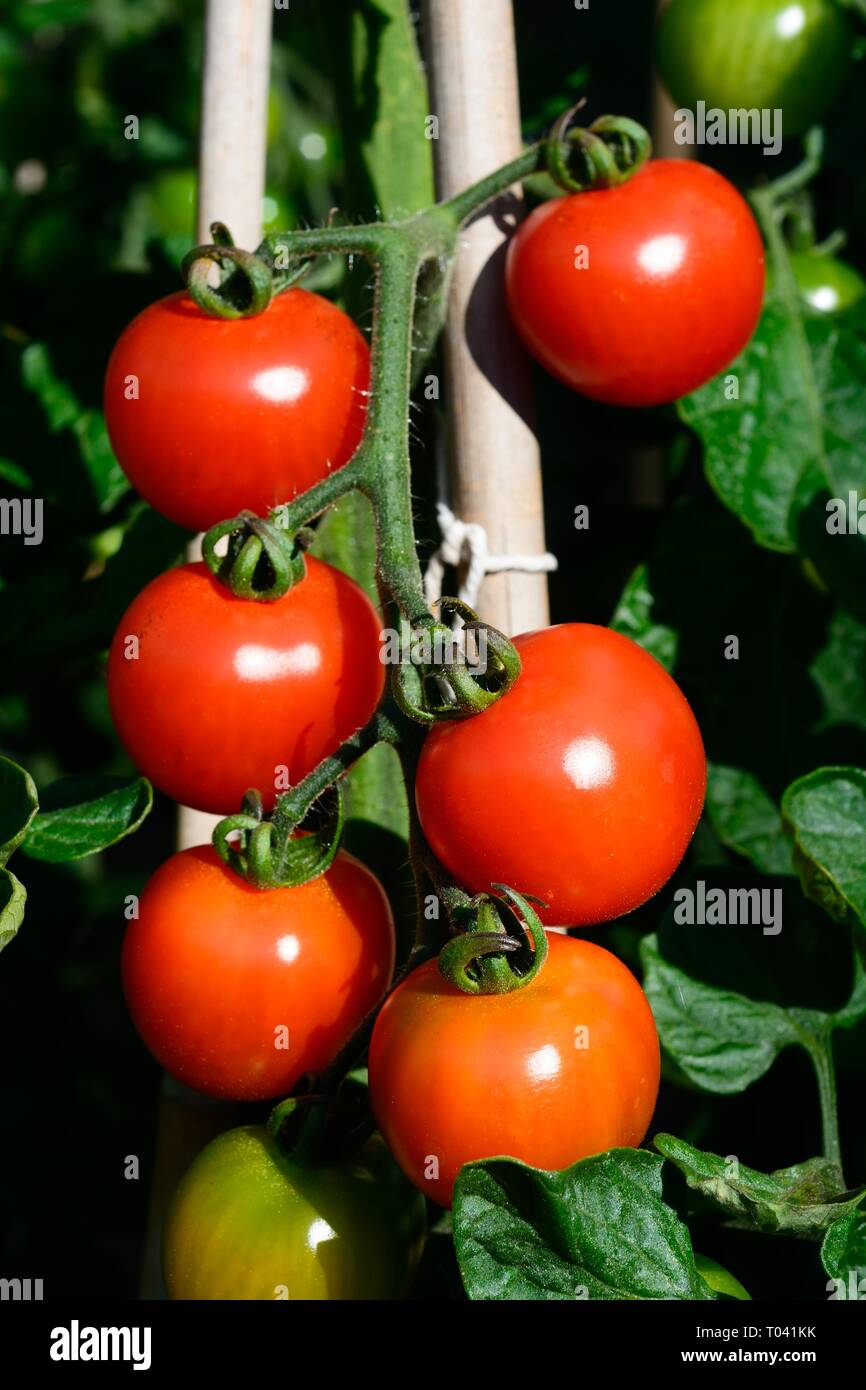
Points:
(764, 54)
(209, 416)
(565, 1067)
(582, 785)
(215, 971)
(247, 1223)
(720, 1280)
(827, 284)
(637, 295)
(213, 694)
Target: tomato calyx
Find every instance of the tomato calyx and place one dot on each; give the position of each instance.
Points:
(281, 850)
(262, 562)
(322, 1126)
(601, 155)
(501, 945)
(441, 673)
(246, 283)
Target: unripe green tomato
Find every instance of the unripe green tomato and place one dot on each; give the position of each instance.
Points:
(171, 205)
(720, 1280)
(763, 54)
(825, 283)
(247, 1223)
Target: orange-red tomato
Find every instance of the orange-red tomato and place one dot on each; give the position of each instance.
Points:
(238, 991)
(565, 1067)
(210, 417)
(217, 694)
(582, 785)
(638, 294)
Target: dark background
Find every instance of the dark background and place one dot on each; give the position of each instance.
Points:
(80, 256)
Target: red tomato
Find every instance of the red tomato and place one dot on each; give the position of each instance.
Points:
(217, 693)
(670, 292)
(209, 417)
(238, 991)
(565, 1067)
(582, 785)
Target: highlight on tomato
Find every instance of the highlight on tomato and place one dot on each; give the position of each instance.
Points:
(637, 294)
(212, 694)
(209, 416)
(564, 1067)
(239, 991)
(581, 786)
(249, 1223)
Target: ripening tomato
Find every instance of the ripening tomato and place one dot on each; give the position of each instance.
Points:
(582, 785)
(565, 1067)
(756, 54)
(238, 991)
(637, 295)
(213, 694)
(210, 417)
(827, 284)
(248, 1223)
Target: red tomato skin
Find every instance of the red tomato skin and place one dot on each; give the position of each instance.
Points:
(226, 690)
(582, 785)
(238, 414)
(212, 967)
(672, 291)
(456, 1077)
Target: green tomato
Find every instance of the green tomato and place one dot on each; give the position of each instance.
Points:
(720, 1280)
(766, 54)
(247, 1223)
(827, 284)
(171, 205)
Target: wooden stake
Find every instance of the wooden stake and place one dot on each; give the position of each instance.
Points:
(495, 470)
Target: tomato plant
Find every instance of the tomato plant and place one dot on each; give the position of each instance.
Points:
(826, 283)
(239, 991)
(209, 417)
(247, 1223)
(636, 295)
(577, 1046)
(763, 54)
(212, 695)
(581, 786)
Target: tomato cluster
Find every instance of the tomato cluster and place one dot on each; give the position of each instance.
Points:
(580, 786)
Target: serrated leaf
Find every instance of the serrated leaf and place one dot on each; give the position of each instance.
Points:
(83, 816)
(796, 429)
(746, 819)
(597, 1230)
(633, 618)
(825, 811)
(843, 1254)
(803, 1200)
(18, 806)
(13, 896)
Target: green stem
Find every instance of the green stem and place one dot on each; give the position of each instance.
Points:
(463, 205)
(821, 1052)
(294, 804)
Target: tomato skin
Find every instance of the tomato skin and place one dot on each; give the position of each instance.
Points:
(212, 967)
(671, 293)
(748, 53)
(246, 1223)
(457, 1077)
(226, 690)
(235, 414)
(582, 785)
(829, 285)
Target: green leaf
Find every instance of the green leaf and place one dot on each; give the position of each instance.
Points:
(839, 672)
(804, 1200)
(383, 105)
(746, 819)
(13, 896)
(843, 1253)
(57, 400)
(18, 806)
(83, 816)
(793, 434)
(633, 618)
(826, 814)
(597, 1230)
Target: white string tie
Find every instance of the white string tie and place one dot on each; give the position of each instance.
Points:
(464, 545)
